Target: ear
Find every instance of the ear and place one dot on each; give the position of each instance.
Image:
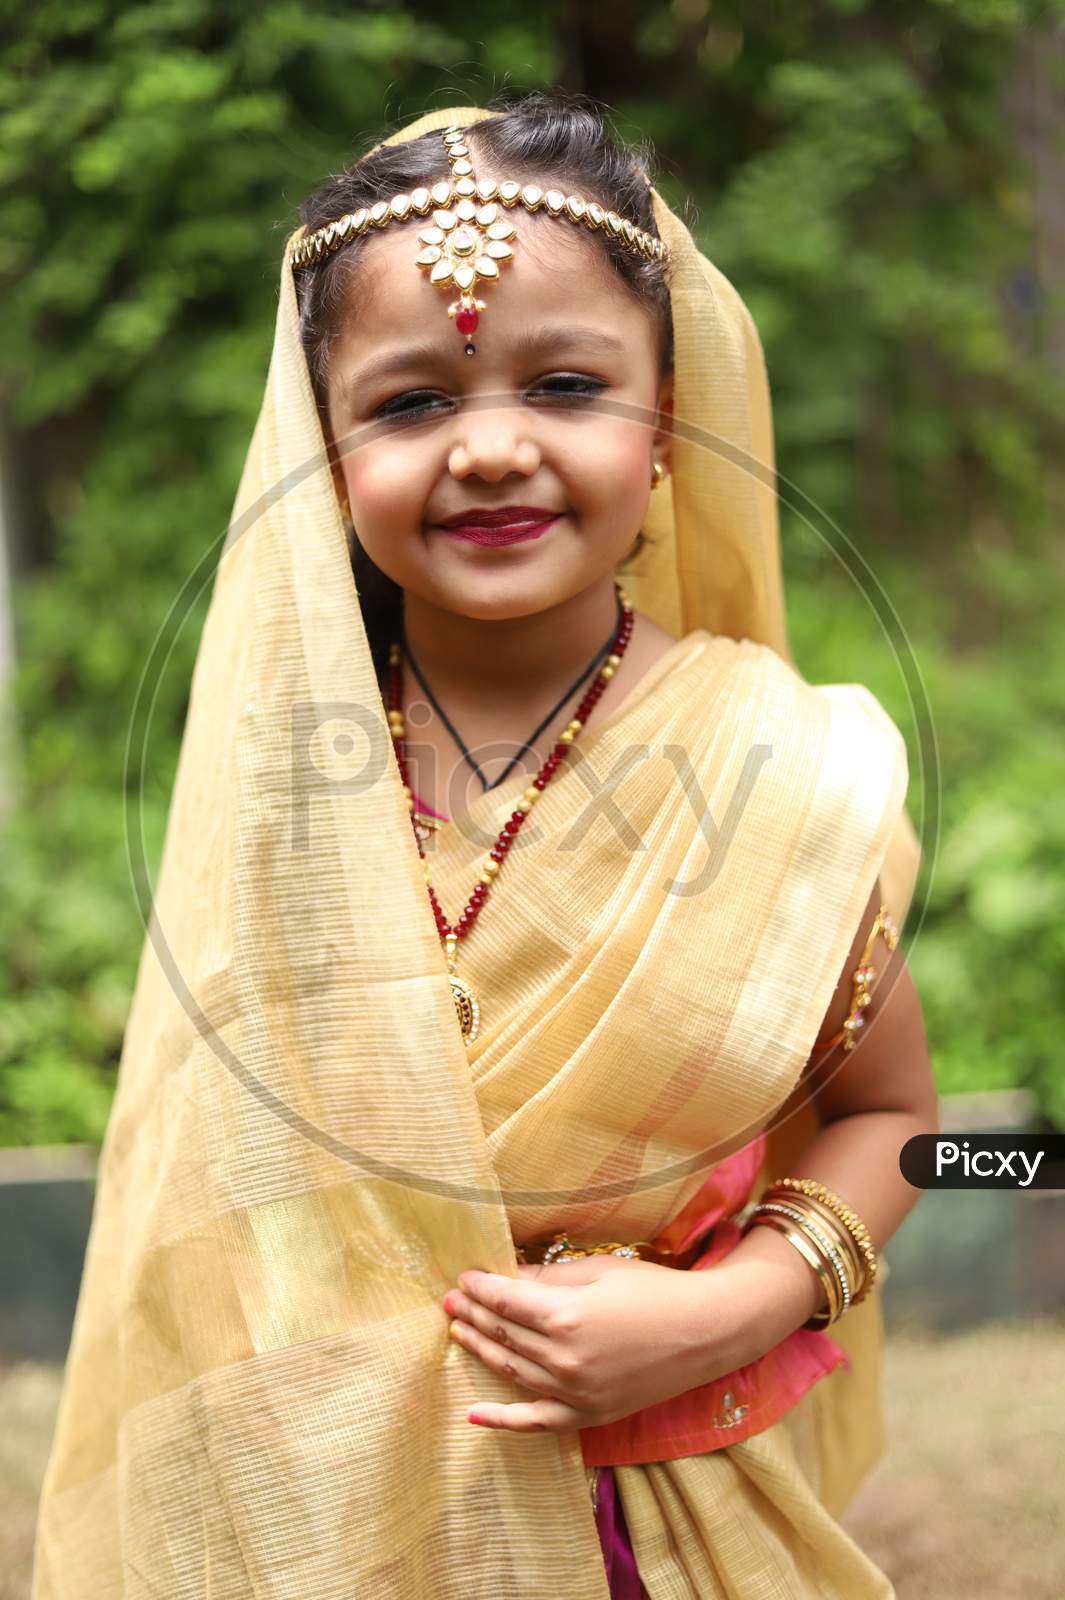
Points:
(663, 439)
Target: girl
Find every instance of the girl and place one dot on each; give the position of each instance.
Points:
(463, 1225)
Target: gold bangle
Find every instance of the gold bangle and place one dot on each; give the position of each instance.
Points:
(846, 1214)
(828, 1216)
(811, 1256)
(822, 1241)
(835, 1240)
(806, 1247)
(825, 1217)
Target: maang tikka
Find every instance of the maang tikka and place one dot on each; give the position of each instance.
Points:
(469, 237)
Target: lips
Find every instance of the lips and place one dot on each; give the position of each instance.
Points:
(500, 517)
(501, 533)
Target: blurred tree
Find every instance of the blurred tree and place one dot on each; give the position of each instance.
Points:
(855, 168)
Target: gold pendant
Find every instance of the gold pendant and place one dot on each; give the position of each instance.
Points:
(466, 1007)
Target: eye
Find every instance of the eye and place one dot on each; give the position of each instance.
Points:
(417, 404)
(570, 386)
(401, 410)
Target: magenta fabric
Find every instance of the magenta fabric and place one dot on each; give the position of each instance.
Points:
(420, 805)
(620, 1563)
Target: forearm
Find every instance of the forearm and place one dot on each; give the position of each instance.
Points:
(857, 1157)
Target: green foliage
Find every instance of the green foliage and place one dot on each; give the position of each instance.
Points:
(854, 167)
(985, 938)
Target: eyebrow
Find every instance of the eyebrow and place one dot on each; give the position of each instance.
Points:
(541, 341)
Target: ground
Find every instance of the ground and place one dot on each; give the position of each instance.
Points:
(966, 1505)
(969, 1499)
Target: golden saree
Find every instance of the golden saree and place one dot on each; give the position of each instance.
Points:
(261, 1398)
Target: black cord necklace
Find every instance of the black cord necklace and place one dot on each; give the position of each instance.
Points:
(527, 746)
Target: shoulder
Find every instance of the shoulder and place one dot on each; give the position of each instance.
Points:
(845, 719)
(849, 715)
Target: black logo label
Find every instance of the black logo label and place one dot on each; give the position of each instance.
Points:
(984, 1161)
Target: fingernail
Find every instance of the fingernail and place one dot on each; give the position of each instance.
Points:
(471, 1418)
(447, 1304)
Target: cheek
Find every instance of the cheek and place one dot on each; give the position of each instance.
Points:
(390, 481)
(389, 492)
(388, 489)
(617, 462)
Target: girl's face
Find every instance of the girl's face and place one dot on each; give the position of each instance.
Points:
(426, 431)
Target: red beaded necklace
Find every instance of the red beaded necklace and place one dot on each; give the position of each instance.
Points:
(466, 1003)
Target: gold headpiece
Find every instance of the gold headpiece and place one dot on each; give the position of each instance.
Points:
(469, 238)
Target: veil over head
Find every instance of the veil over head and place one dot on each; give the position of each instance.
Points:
(261, 1398)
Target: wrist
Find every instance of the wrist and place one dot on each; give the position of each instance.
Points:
(775, 1290)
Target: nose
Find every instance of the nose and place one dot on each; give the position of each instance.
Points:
(492, 446)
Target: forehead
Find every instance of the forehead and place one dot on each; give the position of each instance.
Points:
(558, 272)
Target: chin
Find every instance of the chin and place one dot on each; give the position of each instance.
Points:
(499, 596)
(498, 608)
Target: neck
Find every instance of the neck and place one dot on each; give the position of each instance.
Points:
(505, 664)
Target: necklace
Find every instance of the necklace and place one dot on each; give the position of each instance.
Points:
(467, 1006)
(555, 709)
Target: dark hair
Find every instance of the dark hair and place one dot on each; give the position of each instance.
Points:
(549, 138)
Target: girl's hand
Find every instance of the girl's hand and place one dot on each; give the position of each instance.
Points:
(597, 1338)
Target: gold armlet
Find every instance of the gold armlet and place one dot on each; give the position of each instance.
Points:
(862, 985)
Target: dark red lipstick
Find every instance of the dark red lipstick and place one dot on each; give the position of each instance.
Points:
(503, 525)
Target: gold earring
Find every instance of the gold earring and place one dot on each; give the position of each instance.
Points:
(658, 473)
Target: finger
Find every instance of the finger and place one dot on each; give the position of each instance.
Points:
(501, 1330)
(529, 1303)
(535, 1416)
(507, 1362)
